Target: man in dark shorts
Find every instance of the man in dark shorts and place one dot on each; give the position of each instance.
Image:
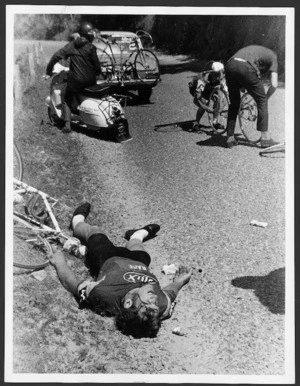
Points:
(84, 68)
(244, 70)
(123, 285)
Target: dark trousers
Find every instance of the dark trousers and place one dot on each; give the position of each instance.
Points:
(67, 102)
(70, 101)
(243, 75)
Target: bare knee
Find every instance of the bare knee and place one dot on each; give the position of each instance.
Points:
(135, 245)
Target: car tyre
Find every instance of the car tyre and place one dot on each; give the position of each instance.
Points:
(144, 94)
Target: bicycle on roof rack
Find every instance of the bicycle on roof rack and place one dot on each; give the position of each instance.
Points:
(125, 64)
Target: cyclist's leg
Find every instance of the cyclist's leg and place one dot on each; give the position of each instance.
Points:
(67, 100)
(135, 248)
(199, 114)
(235, 99)
(83, 231)
(257, 91)
(135, 243)
(234, 76)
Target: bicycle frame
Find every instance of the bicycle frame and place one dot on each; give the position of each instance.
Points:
(23, 188)
(41, 233)
(122, 67)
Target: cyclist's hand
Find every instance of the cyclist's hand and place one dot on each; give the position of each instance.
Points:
(183, 275)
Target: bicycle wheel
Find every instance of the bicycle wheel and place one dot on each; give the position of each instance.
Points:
(36, 207)
(30, 249)
(218, 102)
(18, 164)
(247, 118)
(146, 66)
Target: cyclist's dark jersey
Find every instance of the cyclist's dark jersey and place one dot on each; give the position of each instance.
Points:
(261, 58)
(119, 276)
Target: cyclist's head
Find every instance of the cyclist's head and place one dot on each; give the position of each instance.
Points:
(217, 72)
(217, 66)
(138, 318)
(87, 31)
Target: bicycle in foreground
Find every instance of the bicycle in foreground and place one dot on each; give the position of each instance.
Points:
(36, 228)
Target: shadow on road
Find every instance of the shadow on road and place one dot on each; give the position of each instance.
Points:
(214, 140)
(220, 140)
(269, 289)
(174, 126)
(104, 134)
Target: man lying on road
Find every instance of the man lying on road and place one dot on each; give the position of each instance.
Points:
(123, 287)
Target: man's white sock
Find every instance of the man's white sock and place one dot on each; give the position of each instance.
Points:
(77, 219)
(140, 234)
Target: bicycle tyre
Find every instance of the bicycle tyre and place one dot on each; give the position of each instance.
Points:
(145, 93)
(30, 249)
(18, 164)
(248, 118)
(36, 207)
(218, 102)
(146, 66)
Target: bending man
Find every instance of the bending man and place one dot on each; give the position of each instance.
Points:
(244, 70)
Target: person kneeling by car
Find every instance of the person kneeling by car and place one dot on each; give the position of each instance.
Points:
(201, 87)
(123, 285)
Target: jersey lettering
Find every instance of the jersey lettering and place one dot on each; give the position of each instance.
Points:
(133, 277)
(140, 267)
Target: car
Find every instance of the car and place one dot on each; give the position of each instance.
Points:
(126, 65)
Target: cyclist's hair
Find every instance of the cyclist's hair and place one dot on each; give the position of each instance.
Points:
(129, 323)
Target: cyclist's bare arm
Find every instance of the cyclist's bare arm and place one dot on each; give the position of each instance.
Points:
(182, 277)
(64, 272)
(274, 84)
(202, 103)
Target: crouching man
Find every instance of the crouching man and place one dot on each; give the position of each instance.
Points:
(202, 86)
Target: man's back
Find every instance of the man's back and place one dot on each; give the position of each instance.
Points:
(84, 63)
(262, 58)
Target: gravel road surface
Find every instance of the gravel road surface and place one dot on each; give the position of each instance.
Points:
(204, 196)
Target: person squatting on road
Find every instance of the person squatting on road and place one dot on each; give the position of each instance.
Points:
(201, 87)
(244, 70)
(84, 68)
(123, 285)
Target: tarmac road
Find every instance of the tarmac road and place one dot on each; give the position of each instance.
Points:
(204, 197)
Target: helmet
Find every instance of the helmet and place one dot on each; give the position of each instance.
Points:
(217, 66)
(86, 31)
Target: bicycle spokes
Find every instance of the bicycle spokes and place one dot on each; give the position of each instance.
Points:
(218, 103)
(146, 66)
(248, 118)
